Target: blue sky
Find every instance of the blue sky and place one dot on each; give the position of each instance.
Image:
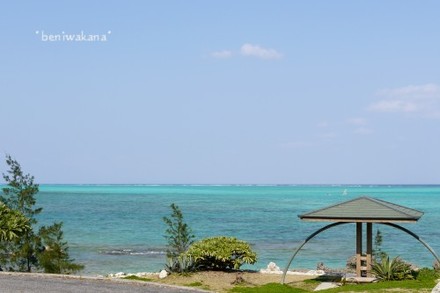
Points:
(217, 92)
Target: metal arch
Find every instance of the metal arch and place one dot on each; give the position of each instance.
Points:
(340, 223)
(305, 241)
(416, 237)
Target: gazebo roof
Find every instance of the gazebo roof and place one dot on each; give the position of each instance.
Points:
(364, 209)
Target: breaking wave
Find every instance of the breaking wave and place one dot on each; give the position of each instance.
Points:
(151, 252)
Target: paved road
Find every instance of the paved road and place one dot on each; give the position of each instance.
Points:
(30, 283)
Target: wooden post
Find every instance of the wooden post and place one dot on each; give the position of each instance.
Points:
(369, 248)
(358, 248)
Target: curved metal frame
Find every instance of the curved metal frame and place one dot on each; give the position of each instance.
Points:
(341, 223)
(415, 236)
(304, 243)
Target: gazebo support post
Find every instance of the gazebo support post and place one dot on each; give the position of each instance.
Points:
(364, 261)
(358, 249)
(369, 248)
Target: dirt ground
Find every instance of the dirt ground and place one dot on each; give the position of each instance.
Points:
(221, 281)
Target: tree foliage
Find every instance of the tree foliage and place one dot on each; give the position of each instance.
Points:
(377, 251)
(221, 253)
(55, 257)
(178, 234)
(22, 253)
(19, 195)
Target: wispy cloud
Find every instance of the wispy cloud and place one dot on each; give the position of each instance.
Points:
(248, 50)
(222, 54)
(361, 125)
(259, 52)
(418, 99)
(415, 91)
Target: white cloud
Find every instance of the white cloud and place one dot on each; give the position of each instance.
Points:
(357, 121)
(415, 91)
(420, 99)
(361, 125)
(259, 52)
(397, 105)
(222, 54)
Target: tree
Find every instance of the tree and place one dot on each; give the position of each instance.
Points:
(178, 234)
(55, 257)
(377, 251)
(19, 195)
(23, 253)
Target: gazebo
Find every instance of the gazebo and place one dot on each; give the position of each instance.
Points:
(363, 211)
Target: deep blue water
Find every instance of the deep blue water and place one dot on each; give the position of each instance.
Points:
(112, 228)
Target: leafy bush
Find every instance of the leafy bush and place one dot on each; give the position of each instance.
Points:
(221, 253)
(395, 269)
(13, 224)
(426, 274)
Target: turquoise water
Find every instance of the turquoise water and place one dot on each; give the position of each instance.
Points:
(112, 228)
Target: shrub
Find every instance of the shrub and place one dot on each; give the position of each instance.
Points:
(181, 264)
(221, 253)
(395, 269)
(426, 274)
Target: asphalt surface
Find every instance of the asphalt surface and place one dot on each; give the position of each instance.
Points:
(17, 283)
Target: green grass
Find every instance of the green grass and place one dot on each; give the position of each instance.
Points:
(197, 284)
(410, 286)
(135, 278)
(194, 284)
(426, 280)
(271, 287)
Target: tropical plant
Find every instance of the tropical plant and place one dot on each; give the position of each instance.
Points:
(12, 224)
(178, 234)
(395, 269)
(181, 264)
(221, 253)
(55, 257)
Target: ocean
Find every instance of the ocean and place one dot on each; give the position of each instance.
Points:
(119, 228)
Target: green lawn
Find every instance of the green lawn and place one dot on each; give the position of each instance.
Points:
(423, 284)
